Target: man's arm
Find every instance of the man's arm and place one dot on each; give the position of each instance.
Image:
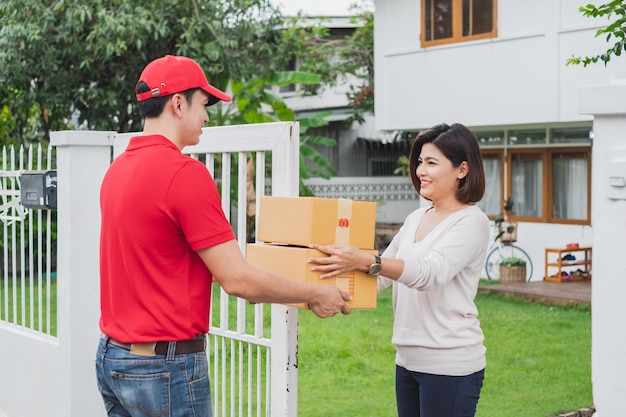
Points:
(242, 279)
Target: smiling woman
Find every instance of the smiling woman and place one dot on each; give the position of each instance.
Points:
(433, 266)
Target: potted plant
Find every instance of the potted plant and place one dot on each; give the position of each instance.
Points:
(512, 269)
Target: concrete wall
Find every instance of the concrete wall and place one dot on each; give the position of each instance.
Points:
(608, 105)
(519, 77)
(54, 376)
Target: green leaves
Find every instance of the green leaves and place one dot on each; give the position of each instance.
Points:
(615, 29)
(512, 262)
(81, 58)
(76, 62)
(257, 103)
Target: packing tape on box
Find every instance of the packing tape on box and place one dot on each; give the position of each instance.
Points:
(344, 215)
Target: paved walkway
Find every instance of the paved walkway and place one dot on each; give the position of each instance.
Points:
(571, 293)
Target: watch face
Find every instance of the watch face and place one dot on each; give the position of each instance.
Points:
(375, 269)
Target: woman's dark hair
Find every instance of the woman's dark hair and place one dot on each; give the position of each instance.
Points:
(458, 144)
(153, 107)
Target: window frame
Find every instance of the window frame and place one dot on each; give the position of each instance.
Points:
(547, 152)
(457, 26)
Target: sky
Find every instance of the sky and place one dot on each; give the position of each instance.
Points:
(316, 7)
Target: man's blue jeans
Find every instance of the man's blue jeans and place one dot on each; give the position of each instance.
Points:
(147, 386)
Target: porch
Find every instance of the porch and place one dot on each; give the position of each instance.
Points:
(571, 293)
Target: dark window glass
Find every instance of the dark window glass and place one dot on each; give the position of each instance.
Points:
(569, 190)
(527, 137)
(526, 184)
(571, 135)
(438, 19)
(477, 17)
(490, 138)
(446, 21)
(289, 88)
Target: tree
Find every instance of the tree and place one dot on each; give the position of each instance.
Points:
(81, 57)
(615, 30)
(75, 62)
(349, 59)
(65, 60)
(357, 58)
(257, 103)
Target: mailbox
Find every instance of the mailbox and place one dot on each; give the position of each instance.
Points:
(38, 189)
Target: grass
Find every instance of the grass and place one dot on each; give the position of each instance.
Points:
(538, 360)
(21, 313)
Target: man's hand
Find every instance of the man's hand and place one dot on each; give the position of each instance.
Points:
(329, 301)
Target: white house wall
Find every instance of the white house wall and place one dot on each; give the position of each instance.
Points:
(519, 77)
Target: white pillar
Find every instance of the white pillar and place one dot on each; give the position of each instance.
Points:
(82, 159)
(608, 204)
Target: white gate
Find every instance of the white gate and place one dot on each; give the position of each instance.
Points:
(253, 348)
(27, 264)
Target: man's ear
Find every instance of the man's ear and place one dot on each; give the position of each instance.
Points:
(176, 104)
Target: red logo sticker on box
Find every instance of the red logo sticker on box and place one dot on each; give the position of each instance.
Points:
(345, 223)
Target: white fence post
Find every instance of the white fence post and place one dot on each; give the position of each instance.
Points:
(284, 393)
(60, 370)
(82, 160)
(608, 204)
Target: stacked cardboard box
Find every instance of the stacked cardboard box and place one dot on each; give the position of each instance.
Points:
(287, 225)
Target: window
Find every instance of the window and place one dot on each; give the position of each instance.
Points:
(527, 137)
(289, 89)
(546, 172)
(490, 138)
(450, 21)
(571, 135)
(570, 196)
(491, 202)
(526, 176)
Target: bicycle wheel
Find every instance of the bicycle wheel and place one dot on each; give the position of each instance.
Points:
(492, 264)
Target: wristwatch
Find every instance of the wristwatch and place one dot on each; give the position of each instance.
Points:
(376, 267)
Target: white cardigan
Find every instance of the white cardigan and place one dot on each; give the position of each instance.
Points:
(436, 329)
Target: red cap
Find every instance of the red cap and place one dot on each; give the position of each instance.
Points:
(175, 74)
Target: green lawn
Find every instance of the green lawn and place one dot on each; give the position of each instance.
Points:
(31, 309)
(538, 360)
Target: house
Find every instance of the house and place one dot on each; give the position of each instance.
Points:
(365, 158)
(500, 69)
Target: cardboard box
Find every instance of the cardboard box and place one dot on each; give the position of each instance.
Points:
(301, 221)
(290, 262)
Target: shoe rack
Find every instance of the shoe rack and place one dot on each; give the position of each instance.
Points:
(560, 267)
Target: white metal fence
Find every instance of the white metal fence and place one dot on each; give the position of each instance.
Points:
(253, 348)
(27, 237)
(50, 325)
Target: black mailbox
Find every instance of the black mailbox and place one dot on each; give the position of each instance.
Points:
(38, 189)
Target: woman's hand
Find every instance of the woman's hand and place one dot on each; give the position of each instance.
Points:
(341, 259)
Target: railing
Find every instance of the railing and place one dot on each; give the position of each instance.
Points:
(253, 348)
(27, 236)
(395, 196)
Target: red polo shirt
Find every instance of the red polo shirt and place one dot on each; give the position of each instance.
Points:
(158, 208)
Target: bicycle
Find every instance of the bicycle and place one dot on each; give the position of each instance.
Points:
(504, 234)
